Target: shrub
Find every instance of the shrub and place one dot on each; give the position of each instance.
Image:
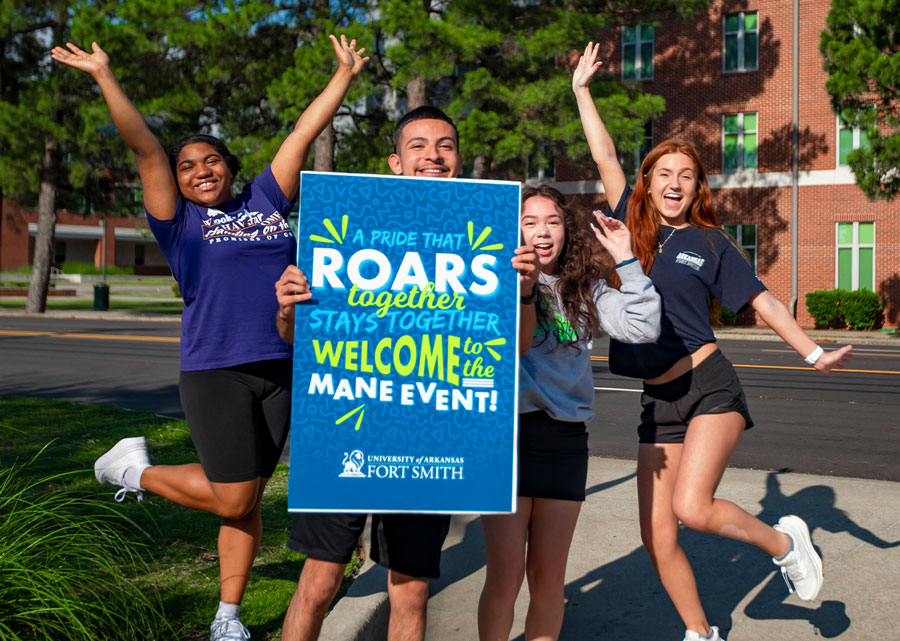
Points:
(74, 267)
(861, 308)
(62, 560)
(823, 306)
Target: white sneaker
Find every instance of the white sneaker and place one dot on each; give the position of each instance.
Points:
(801, 567)
(228, 630)
(110, 468)
(690, 635)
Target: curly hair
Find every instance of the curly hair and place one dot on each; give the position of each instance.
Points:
(581, 263)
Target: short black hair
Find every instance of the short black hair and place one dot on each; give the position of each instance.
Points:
(233, 162)
(426, 112)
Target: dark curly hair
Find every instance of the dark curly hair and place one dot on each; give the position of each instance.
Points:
(233, 162)
(581, 263)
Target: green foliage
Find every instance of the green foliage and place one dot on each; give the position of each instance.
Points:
(838, 308)
(861, 308)
(67, 570)
(862, 58)
(499, 67)
(76, 267)
(823, 307)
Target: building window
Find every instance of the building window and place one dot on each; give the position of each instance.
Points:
(541, 166)
(741, 46)
(139, 254)
(631, 160)
(745, 237)
(739, 133)
(637, 52)
(59, 252)
(850, 139)
(855, 256)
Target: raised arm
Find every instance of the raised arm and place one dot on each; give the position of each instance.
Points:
(776, 316)
(603, 150)
(160, 191)
(292, 154)
(632, 312)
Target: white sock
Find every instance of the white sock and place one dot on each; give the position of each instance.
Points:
(228, 610)
(132, 477)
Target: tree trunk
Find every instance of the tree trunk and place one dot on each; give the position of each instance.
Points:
(479, 166)
(325, 149)
(44, 240)
(416, 93)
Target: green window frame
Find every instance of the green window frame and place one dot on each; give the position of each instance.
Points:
(739, 141)
(740, 45)
(849, 138)
(855, 259)
(744, 235)
(637, 52)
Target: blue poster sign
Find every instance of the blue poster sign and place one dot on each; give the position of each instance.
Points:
(406, 359)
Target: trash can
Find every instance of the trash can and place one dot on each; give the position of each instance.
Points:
(101, 297)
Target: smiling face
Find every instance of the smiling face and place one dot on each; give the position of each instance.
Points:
(203, 175)
(543, 227)
(427, 148)
(673, 185)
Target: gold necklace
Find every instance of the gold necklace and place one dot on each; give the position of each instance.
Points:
(662, 244)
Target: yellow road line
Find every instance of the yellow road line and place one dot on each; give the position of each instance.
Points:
(103, 337)
(806, 369)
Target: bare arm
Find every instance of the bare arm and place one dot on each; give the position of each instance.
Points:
(160, 191)
(779, 318)
(603, 150)
(290, 289)
(525, 262)
(291, 156)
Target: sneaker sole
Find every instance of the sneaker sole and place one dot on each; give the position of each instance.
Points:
(117, 451)
(806, 542)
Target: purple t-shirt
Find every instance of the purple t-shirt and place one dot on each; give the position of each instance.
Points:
(226, 261)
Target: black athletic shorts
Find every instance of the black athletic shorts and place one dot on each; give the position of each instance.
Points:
(710, 388)
(239, 418)
(406, 543)
(553, 457)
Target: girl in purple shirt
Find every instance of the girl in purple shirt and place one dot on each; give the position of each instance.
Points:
(225, 252)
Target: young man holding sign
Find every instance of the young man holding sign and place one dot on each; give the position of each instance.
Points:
(425, 145)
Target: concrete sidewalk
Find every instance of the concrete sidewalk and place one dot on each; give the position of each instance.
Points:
(612, 591)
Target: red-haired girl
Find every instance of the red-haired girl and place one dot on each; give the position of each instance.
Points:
(694, 410)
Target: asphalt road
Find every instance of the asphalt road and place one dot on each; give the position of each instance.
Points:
(844, 425)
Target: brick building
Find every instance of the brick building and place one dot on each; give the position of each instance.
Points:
(80, 238)
(727, 76)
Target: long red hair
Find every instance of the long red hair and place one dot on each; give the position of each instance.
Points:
(644, 220)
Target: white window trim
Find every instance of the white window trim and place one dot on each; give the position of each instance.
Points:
(740, 235)
(740, 38)
(855, 246)
(638, 41)
(740, 134)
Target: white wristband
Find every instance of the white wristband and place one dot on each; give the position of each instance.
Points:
(813, 358)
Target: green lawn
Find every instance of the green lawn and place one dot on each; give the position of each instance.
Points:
(178, 544)
(136, 306)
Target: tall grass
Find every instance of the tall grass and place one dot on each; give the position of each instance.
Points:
(61, 566)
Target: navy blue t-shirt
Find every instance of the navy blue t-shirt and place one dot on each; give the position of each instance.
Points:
(695, 266)
(226, 261)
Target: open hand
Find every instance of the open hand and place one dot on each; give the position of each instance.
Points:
(90, 63)
(614, 236)
(833, 360)
(588, 65)
(347, 54)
